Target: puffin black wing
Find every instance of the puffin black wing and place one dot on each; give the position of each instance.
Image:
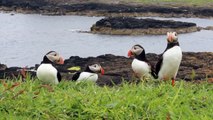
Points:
(59, 76)
(159, 64)
(153, 73)
(76, 76)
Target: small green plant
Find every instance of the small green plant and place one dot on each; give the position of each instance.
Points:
(70, 100)
(193, 75)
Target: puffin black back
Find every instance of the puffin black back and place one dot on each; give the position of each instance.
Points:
(142, 56)
(88, 70)
(46, 60)
(76, 76)
(170, 45)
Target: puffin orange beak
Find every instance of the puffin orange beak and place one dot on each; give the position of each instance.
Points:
(102, 71)
(130, 53)
(61, 61)
(170, 38)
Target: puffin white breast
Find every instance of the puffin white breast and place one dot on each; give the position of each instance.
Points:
(47, 74)
(87, 76)
(141, 68)
(171, 62)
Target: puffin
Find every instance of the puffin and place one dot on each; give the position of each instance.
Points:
(89, 74)
(169, 61)
(46, 72)
(140, 65)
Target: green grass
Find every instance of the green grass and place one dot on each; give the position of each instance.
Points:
(179, 2)
(69, 100)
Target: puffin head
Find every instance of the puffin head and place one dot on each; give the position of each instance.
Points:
(53, 57)
(96, 68)
(136, 50)
(172, 37)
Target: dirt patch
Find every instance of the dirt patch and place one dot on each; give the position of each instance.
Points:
(134, 26)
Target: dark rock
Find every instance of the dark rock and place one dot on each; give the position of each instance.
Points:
(118, 68)
(134, 23)
(30, 4)
(122, 8)
(109, 80)
(3, 67)
(11, 73)
(55, 7)
(194, 66)
(14, 72)
(203, 12)
(134, 26)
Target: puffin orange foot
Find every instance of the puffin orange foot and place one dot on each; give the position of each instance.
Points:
(173, 82)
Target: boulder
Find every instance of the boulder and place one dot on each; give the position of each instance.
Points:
(3, 66)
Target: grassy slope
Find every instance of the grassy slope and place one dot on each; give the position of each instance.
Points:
(202, 3)
(152, 100)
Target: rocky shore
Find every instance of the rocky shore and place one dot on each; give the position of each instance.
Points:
(135, 26)
(194, 67)
(96, 8)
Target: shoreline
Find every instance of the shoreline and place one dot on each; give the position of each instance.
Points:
(120, 65)
(108, 9)
(149, 31)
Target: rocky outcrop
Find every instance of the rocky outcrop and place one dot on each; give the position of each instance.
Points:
(3, 66)
(194, 66)
(58, 7)
(134, 26)
(31, 4)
